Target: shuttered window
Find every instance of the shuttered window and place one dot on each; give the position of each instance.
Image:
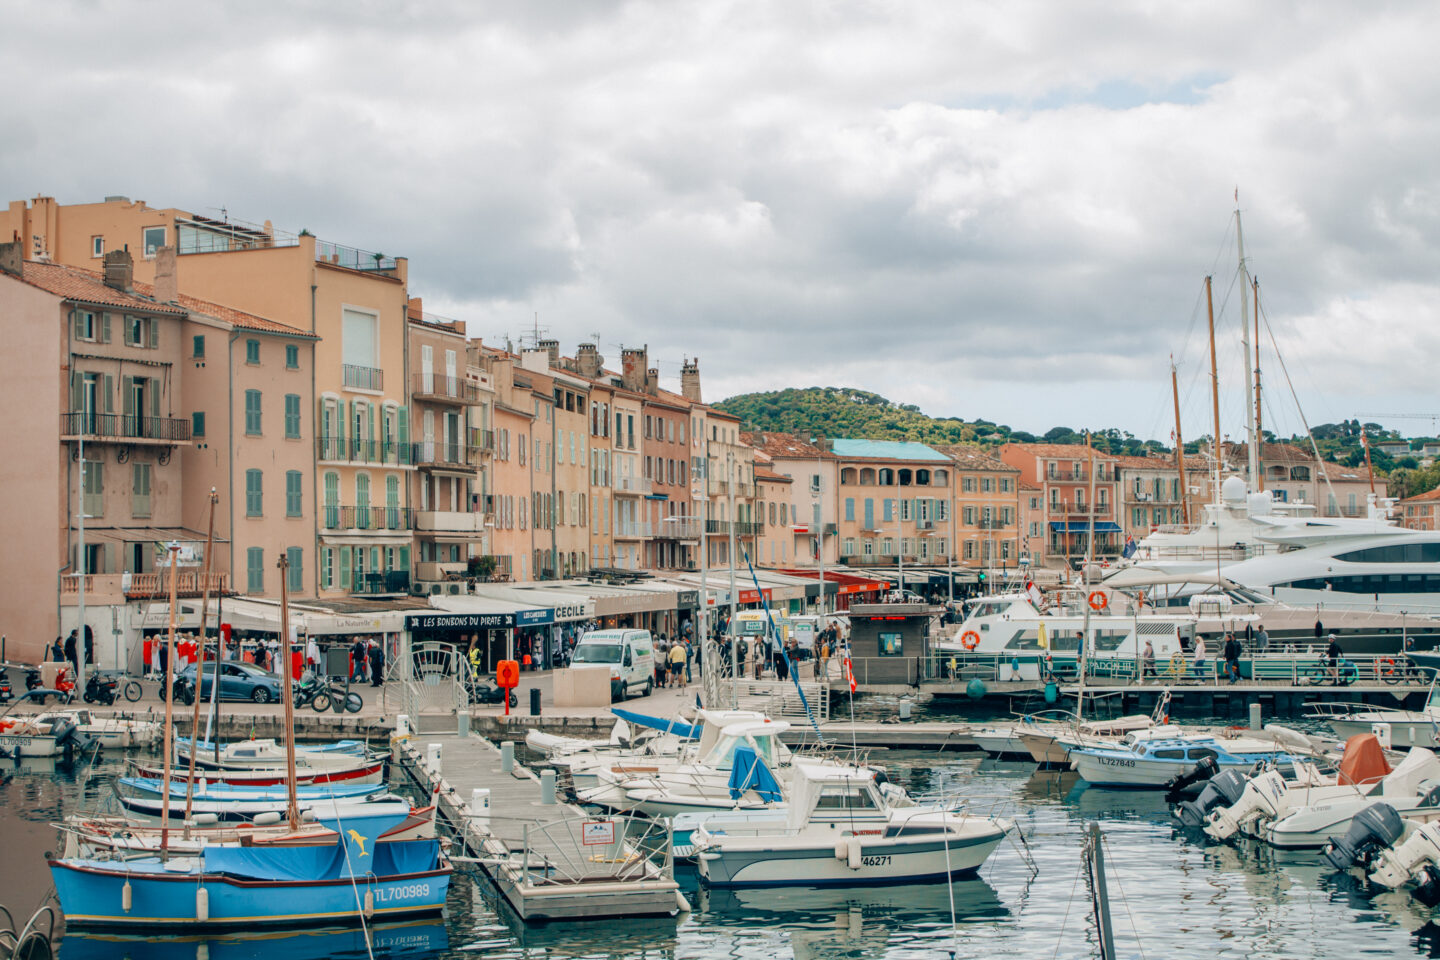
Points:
(254, 498)
(293, 496)
(140, 491)
(292, 357)
(197, 423)
(252, 413)
(252, 351)
(255, 570)
(292, 416)
(296, 559)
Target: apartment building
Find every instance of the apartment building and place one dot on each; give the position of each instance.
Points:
(512, 481)
(811, 511)
(600, 424)
(774, 543)
(629, 485)
(1292, 475)
(1150, 494)
(569, 451)
(1420, 511)
(1032, 521)
(1064, 472)
(728, 464)
(895, 500)
(985, 508)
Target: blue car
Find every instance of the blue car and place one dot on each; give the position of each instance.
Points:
(238, 681)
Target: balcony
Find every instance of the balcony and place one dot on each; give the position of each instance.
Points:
(811, 530)
(449, 456)
(742, 528)
(632, 530)
(483, 440)
(635, 486)
(1077, 476)
(378, 519)
(141, 586)
(363, 378)
(449, 521)
(678, 528)
(119, 428)
(434, 388)
(720, 488)
(375, 584)
(993, 523)
(1079, 511)
(346, 450)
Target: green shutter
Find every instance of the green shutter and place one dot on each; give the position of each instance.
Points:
(77, 392)
(111, 549)
(197, 424)
(402, 430)
(154, 396)
(344, 567)
(108, 388)
(154, 333)
(404, 557)
(105, 328)
(350, 425)
(128, 396)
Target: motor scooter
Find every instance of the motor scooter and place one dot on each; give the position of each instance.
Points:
(100, 689)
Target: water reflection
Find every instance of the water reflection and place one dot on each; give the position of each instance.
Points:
(420, 940)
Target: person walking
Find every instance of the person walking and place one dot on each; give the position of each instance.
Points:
(376, 656)
(689, 656)
(359, 659)
(70, 643)
(1147, 661)
(1332, 654)
(1232, 657)
(1200, 656)
(677, 664)
(57, 651)
(1262, 639)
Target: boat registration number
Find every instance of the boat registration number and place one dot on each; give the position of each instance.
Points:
(16, 741)
(879, 861)
(403, 892)
(1109, 761)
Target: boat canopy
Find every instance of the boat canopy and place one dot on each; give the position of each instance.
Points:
(678, 727)
(1364, 760)
(750, 773)
(1139, 576)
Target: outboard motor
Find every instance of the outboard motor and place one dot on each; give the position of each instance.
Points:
(1260, 801)
(1178, 787)
(1223, 790)
(1427, 887)
(1373, 829)
(1394, 867)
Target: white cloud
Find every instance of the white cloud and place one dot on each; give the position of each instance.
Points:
(999, 210)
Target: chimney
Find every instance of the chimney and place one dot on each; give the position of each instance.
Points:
(652, 381)
(119, 270)
(690, 380)
(588, 362)
(633, 362)
(415, 308)
(167, 280)
(552, 349)
(12, 256)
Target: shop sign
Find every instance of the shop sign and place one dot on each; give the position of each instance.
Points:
(461, 621)
(572, 611)
(534, 618)
(753, 596)
(687, 600)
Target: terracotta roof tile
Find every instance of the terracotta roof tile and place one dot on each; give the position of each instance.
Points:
(973, 458)
(86, 286)
(1426, 497)
(764, 473)
(230, 315)
(1072, 451)
(786, 445)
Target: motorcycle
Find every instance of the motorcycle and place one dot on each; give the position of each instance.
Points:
(482, 692)
(100, 689)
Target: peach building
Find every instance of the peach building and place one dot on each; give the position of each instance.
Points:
(1063, 470)
(895, 500)
(810, 513)
(985, 511)
(773, 542)
(600, 426)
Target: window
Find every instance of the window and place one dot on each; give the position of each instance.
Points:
(295, 557)
(252, 413)
(891, 644)
(134, 331)
(255, 570)
(254, 498)
(197, 423)
(327, 568)
(359, 343)
(94, 489)
(849, 509)
(292, 416)
(140, 491)
(152, 239)
(252, 351)
(97, 246)
(292, 357)
(197, 349)
(293, 496)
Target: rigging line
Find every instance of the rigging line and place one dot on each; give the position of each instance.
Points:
(1069, 902)
(1134, 927)
(1310, 436)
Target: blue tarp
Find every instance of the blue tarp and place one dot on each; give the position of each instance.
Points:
(678, 727)
(322, 863)
(750, 773)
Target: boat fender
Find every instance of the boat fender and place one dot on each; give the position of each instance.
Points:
(202, 819)
(267, 818)
(202, 905)
(854, 853)
(1223, 790)
(1374, 828)
(369, 902)
(1427, 888)
(127, 896)
(307, 815)
(842, 850)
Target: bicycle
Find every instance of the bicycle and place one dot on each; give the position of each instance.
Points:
(130, 689)
(314, 693)
(1341, 674)
(1394, 671)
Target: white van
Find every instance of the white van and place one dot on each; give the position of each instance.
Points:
(628, 653)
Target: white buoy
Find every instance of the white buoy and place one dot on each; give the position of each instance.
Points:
(127, 897)
(267, 818)
(480, 807)
(855, 853)
(369, 902)
(402, 725)
(202, 905)
(204, 819)
(842, 850)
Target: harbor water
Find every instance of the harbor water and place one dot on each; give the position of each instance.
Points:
(1174, 894)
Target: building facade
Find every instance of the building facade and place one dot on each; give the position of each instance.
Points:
(1064, 473)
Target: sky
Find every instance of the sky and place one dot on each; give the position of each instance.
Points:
(991, 210)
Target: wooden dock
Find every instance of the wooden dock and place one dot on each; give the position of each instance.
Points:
(550, 860)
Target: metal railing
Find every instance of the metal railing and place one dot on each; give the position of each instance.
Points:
(637, 485)
(675, 528)
(721, 488)
(433, 386)
(124, 427)
(632, 529)
(391, 581)
(367, 518)
(994, 523)
(362, 451)
(482, 440)
(353, 258)
(441, 453)
(743, 528)
(363, 378)
(586, 850)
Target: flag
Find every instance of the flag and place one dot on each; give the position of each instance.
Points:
(849, 675)
(1130, 548)
(1033, 592)
(1044, 640)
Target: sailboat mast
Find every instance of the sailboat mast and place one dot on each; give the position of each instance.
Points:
(1259, 433)
(288, 695)
(1179, 444)
(1251, 397)
(1214, 379)
(200, 662)
(169, 688)
(1085, 581)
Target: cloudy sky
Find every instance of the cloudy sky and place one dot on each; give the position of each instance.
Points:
(1000, 210)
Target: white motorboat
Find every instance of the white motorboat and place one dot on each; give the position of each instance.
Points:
(268, 753)
(122, 733)
(1412, 859)
(28, 736)
(1412, 789)
(1405, 728)
(1152, 762)
(841, 830)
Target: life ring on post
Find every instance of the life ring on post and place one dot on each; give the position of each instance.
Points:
(1098, 600)
(970, 640)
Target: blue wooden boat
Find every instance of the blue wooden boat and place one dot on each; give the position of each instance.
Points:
(425, 938)
(248, 887)
(228, 802)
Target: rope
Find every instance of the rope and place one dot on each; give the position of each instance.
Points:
(789, 667)
(354, 887)
(1139, 944)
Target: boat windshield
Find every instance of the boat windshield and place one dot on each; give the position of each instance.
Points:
(597, 653)
(723, 756)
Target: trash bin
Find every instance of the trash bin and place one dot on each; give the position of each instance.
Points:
(534, 701)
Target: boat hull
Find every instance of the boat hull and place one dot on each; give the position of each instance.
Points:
(93, 898)
(1403, 733)
(262, 777)
(882, 862)
(27, 745)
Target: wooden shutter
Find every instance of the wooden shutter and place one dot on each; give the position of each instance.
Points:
(345, 583)
(108, 388)
(402, 429)
(104, 319)
(154, 396)
(154, 333)
(77, 392)
(404, 554)
(128, 396)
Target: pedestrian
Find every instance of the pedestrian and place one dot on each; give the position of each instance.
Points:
(757, 653)
(1200, 656)
(677, 664)
(1332, 654)
(70, 643)
(1262, 639)
(312, 655)
(358, 661)
(689, 657)
(89, 644)
(57, 651)
(376, 655)
(1232, 657)
(1147, 661)
(164, 660)
(782, 666)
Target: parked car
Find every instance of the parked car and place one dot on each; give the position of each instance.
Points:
(238, 681)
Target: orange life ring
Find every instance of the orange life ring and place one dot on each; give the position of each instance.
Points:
(1098, 600)
(970, 640)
